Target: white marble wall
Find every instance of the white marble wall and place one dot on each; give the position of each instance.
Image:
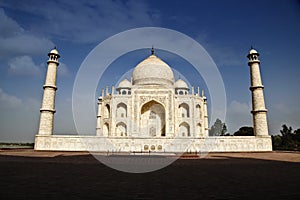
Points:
(164, 96)
(118, 144)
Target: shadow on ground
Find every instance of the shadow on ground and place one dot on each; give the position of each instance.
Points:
(84, 177)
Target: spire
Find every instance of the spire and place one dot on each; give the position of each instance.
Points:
(152, 50)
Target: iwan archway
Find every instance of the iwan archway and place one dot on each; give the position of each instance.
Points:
(152, 121)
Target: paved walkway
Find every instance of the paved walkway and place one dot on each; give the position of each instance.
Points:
(29, 174)
(287, 156)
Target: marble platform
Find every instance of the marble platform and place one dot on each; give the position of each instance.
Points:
(162, 144)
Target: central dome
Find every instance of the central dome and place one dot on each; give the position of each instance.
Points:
(153, 71)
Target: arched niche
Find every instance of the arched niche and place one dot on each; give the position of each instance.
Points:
(121, 129)
(198, 111)
(121, 110)
(184, 110)
(106, 111)
(106, 129)
(184, 130)
(198, 129)
(152, 121)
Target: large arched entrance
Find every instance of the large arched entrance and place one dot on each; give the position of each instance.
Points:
(153, 119)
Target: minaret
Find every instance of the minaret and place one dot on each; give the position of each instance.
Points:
(99, 116)
(206, 129)
(259, 110)
(48, 105)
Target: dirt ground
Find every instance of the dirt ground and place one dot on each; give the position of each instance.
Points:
(27, 174)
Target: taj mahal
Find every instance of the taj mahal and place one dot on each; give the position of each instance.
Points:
(159, 107)
(153, 112)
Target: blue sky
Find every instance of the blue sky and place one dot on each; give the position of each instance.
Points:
(226, 29)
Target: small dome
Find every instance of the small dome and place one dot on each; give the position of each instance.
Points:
(54, 51)
(181, 84)
(153, 71)
(124, 84)
(253, 51)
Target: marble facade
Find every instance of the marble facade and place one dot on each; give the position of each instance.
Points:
(153, 112)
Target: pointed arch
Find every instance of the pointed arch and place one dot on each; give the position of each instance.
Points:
(152, 122)
(184, 110)
(121, 110)
(198, 129)
(106, 129)
(198, 111)
(121, 129)
(184, 129)
(106, 111)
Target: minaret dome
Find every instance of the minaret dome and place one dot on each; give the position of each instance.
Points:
(53, 55)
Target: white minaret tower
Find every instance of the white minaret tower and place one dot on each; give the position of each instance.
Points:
(259, 110)
(99, 116)
(48, 105)
(206, 129)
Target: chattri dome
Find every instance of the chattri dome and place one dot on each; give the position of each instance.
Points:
(253, 51)
(181, 84)
(153, 71)
(54, 51)
(124, 84)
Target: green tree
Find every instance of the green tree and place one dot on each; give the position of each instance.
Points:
(276, 142)
(219, 128)
(244, 131)
(285, 130)
(288, 140)
(297, 135)
(224, 130)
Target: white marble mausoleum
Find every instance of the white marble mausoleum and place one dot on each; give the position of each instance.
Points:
(153, 112)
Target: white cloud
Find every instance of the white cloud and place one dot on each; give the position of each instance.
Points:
(19, 118)
(8, 101)
(64, 123)
(239, 108)
(24, 65)
(24, 44)
(32, 105)
(14, 40)
(238, 115)
(86, 21)
(8, 27)
(280, 113)
(63, 70)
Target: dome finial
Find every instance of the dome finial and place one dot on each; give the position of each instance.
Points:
(152, 50)
(54, 51)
